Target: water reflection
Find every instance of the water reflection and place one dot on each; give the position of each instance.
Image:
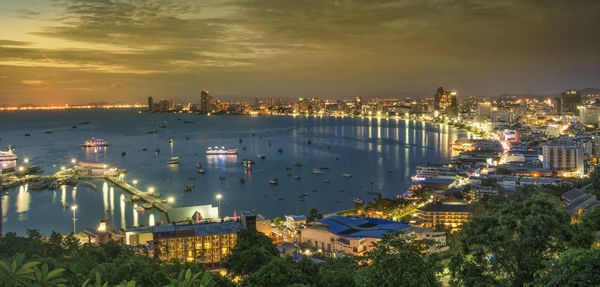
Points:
(135, 215)
(220, 160)
(8, 164)
(151, 220)
(112, 201)
(23, 200)
(63, 195)
(105, 195)
(122, 203)
(74, 194)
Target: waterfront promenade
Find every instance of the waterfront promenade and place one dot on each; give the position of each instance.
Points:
(143, 196)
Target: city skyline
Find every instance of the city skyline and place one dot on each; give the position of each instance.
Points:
(76, 52)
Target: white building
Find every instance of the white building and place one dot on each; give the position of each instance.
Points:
(589, 114)
(563, 156)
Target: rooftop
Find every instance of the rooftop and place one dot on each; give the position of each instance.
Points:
(354, 226)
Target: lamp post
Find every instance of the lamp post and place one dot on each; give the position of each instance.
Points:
(74, 208)
(219, 196)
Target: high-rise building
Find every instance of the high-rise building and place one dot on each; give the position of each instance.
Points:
(589, 114)
(568, 102)
(484, 109)
(446, 102)
(563, 156)
(207, 102)
(150, 104)
(359, 103)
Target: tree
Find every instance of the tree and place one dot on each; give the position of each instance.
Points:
(313, 214)
(281, 272)
(278, 221)
(252, 250)
(397, 260)
(338, 272)
(508, 247)
(574, 267)
(17, 273)
(44, 278)
(188, 279)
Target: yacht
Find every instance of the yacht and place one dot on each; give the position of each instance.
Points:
(174, 160)
(8, 155)
(317, 171)
(221, 151)
(94, 142)
(347, 175)
(274, 181)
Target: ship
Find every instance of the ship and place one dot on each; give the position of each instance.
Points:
(94, 142)
(8, 155)
(174, 160)
(221, 151)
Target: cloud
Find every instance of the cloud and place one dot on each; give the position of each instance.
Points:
(31, 82)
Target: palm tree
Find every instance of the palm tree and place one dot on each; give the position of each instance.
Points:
(17, 274)
(43, 278)
(188, 279)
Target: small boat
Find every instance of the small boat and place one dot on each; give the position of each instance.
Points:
(162, 126)
(49, 132)
(315, 190)
(201, 171)
(240, 140)
(187, 138)
(174, 160)
(221, 177)
(324, 167)
(261, 156)
(297, 177)
(389, 171)
(198, 165)
(289, 173)
(308, 142)
(301, 199)
(327, 181)
(95, 142)
(274, 181)
(243, 148)
(341, 190)
(84, 123)
(347, 175)
(281, 199)
(337, 158)
(191, 178)
(73, 127)
(305, 194)
(144, 149)
(242, 180)
(27, 135)
(298, 163)
(156, 150)
(171, 141)
(187, 188)
(91, 185)
(358, 200)
(188, 122)
(123, 153)
(288, 168)
(317, 171)
(152, 132)
(247, 162)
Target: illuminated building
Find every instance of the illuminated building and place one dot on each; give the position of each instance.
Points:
(207, 102)
(563, 156)
(150, 104)
(446, 102)
(452, 214)
(484, 109)
(589, 114)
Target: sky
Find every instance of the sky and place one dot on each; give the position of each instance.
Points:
(81, 51)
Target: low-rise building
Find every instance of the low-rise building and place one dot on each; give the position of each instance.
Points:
(452, 214)
(292, 222)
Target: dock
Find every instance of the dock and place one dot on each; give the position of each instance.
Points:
(143, 196)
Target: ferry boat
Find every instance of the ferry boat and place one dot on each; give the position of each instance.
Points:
(94, 142)
(174, 160)
(8, 155)
(221, 151)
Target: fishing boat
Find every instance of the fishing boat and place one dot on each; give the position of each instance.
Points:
(221, 151)
(49, 132)
(317, 171)
(191, 178)
(174, 160)
(298, 163)
(274, 181)
(152, 132)
(201, 171)
(347, 175)
(8, 155)
(95, 142)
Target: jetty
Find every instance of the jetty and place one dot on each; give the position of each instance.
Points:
(147, 197)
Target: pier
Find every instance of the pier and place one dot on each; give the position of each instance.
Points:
(143, 196)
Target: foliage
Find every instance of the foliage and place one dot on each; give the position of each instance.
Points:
(574, 267)
(17, 273)
(313, 214)
(188, 279)
(278, 221)
(397, 260)
(252, 250)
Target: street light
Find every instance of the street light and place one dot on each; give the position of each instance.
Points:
(170, 199)
(73, 161)
(74, 208)
(150, 189)
(219, 196)
(135, 181)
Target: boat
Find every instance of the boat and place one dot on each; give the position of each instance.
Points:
(373, 192)
(289, 173)
(187, 188)
(297, 177)
(247, 162)
(156, 150)
(222, 177)
(347, 175)
(315, 190)
(242, 180)
(221, 151)
(188, 122)
(191, 178)
(324, 167)
(298, 163)
(162, 126)
(73, 127)
(201, 171)
(280, 150)
(123, 153)
(341, 190)
(49, 132)
(358, 200)
(187, 137)
(174, 160)
(144, 149)
(327, 181)
(94, 142)
(152, 132)
(305, 194)
(171, 141)
(301, 199)
(281, 199)
(261, 156)
(84, 123)
(317, 171)
(8, 155)
(274, 181)
(91, 185)
(27, 135)
(240, 140)
(198, 165)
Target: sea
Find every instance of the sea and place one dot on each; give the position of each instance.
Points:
(380, 154)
